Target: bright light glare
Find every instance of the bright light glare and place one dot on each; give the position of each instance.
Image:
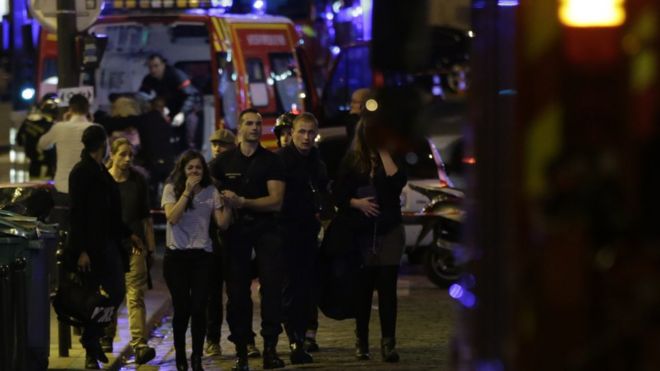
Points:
(371, 105)
(592, 13)
(335, 50)
(259, 4)
(27, 93)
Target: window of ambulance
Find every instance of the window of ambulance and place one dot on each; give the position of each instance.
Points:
(227, 88)
(257, 82)
(285, 76)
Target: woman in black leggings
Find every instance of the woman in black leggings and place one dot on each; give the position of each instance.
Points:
(190, 200)
(369, 185)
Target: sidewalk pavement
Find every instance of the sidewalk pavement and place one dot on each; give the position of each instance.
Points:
(158, 304)
(425, 323)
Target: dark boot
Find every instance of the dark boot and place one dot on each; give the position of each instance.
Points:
(298, 354)
(241, 359)
(196, 362)
(271, 360)
(362, 349)
(91, 363)
(387, 350)
(181, 361)
(144, 354)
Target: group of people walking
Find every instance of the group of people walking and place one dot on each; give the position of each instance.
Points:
(248, 213)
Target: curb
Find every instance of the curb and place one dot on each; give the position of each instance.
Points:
(156, 318)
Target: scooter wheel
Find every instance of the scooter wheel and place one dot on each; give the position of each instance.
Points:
(439, 265)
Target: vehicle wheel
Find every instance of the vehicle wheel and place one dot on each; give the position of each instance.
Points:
(439, 264)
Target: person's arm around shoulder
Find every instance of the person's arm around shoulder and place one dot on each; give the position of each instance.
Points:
(47, 140)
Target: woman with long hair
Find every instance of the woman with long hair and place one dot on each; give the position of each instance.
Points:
(134, 195)
(190, 201)
(368, 186)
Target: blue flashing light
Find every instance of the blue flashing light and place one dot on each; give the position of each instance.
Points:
(437, 90)
(258, 5)
(468, 299)
(329, 16)
(356, 11)
(28, 93)
(507, 3)
(335, 50)
(455, 291)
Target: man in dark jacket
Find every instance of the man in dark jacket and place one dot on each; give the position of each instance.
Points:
(96, 232)
(252, 179)
(182, 99)
(306, 179)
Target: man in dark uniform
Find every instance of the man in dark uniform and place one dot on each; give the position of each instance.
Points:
(181, 97)
(306, 179)
(253, 182)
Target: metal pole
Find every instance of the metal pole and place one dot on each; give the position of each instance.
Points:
(19, 278)
(66, 33)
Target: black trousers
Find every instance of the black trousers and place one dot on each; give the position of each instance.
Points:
(187, 275)
(107, 269)
(265, 238)
(214, 310)
(383, 279)
(300, 251)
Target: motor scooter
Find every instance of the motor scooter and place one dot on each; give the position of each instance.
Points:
(443, 217)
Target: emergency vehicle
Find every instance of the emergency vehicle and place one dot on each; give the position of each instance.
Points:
(235, 61)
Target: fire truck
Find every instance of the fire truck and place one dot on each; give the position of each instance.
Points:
(235, 61)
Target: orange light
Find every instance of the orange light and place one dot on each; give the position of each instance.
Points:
(592, 13)
(469, 160)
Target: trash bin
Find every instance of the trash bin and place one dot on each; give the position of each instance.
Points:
(26, 248)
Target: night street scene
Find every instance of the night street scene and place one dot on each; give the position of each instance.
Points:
(460, 185)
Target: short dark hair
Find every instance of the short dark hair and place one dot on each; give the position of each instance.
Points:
(79, 104)
(306, 117)
(153, 56)
(93, 138)
(246, 111)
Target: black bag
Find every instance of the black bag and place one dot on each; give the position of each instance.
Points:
(80, 301)
(338, 291)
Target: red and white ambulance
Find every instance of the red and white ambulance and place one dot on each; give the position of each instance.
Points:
(235, 61)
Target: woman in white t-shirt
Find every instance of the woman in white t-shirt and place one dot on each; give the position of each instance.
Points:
(190, 200)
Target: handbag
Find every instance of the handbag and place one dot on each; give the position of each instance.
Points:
(80, 301)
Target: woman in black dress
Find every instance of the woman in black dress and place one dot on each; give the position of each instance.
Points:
(369, 186)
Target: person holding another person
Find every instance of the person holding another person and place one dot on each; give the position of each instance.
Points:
(369, 185)
(252, 179)
(134, 196)
(190, 201)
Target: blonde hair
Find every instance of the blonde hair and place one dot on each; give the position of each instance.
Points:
(124, 107)
(114, 148)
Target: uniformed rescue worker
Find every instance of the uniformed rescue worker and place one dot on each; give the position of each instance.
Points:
(181, 97)
(253, 181)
